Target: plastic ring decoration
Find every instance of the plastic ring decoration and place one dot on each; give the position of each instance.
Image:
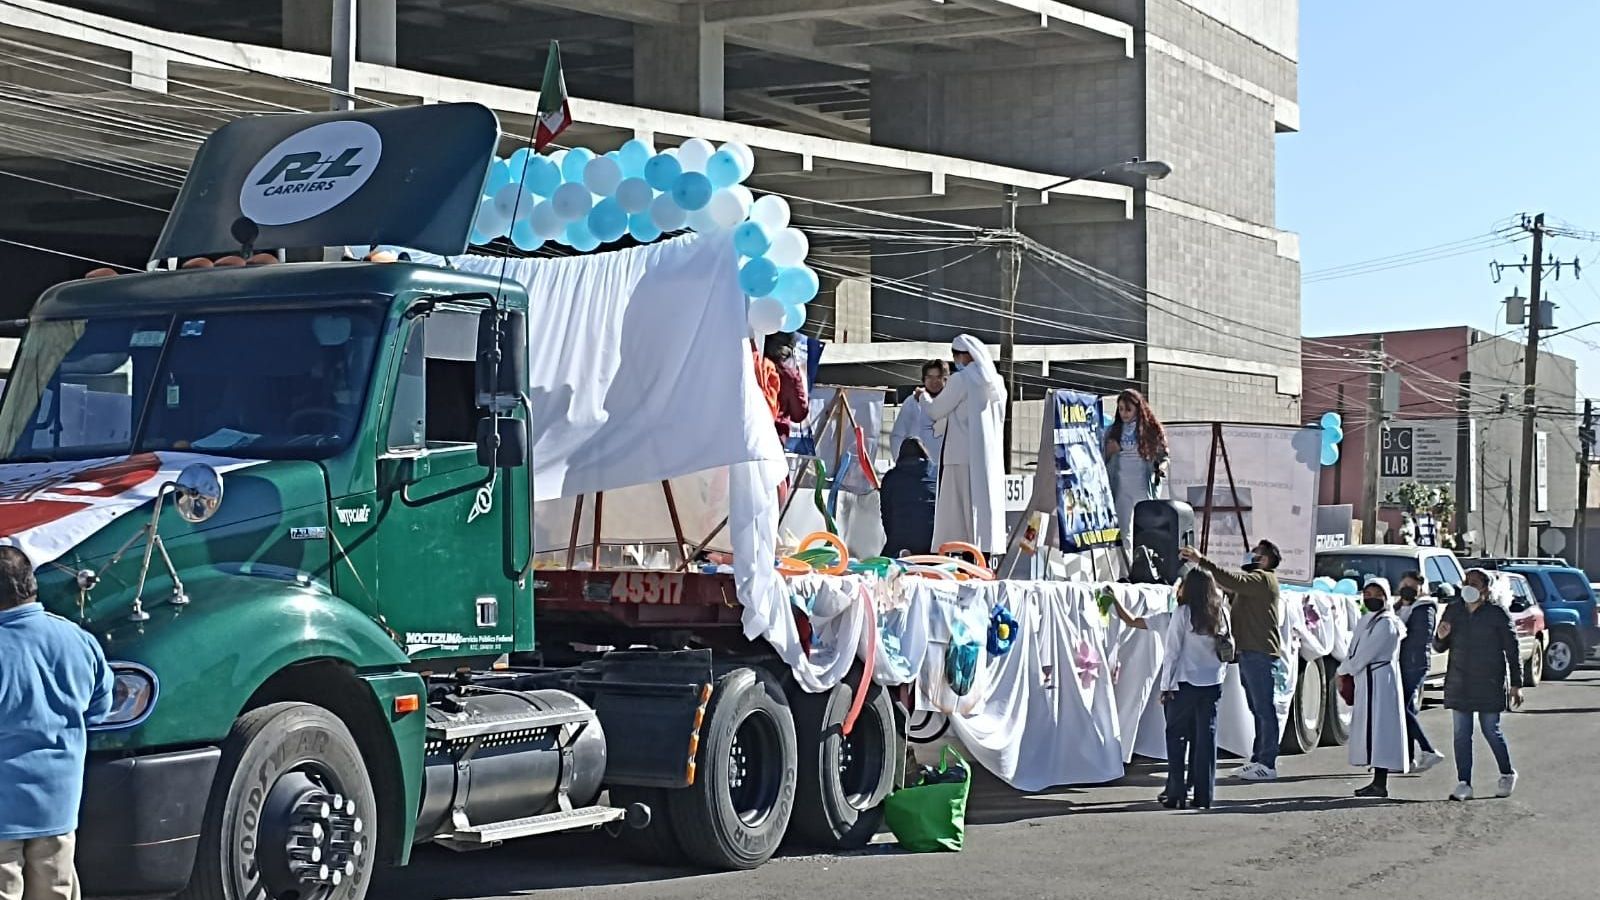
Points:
(933, 572)
(789, 567)
(969, 570)
(950, 547)
(843, 564)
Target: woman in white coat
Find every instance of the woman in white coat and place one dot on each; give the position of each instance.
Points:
(1378, 729)
(971, 409)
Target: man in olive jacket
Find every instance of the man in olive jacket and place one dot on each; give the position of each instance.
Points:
(1256, 614)
(1478, 635)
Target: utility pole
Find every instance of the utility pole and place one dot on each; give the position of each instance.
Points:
(1585, 449)
(343, 53)
(1010, 274)
(1371, 491)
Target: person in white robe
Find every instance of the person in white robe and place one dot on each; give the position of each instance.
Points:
(970, 506)
(1378, 726)
(913, 422)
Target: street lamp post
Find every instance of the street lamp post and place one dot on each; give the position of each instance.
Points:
(1011, 268)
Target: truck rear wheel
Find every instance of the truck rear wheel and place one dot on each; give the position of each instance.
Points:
(292, 814)
(843, 780)
(1337, 714)
(737, 811)
(1304, 729)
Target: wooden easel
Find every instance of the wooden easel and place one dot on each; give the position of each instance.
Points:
(1218, 445)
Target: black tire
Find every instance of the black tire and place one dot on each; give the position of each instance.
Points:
(656, 843)
(268, 756)
(1304, 730)
(842, 781)
(1562, 656)
(736, 813)
(1533, 668)
(1336, 714)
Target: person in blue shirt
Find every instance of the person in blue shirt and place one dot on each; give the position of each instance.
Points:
(54, 684)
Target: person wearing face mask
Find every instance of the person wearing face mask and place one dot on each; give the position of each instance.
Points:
(1378, 723)
(1482, 645)
(1419, 613)
(1257, 619)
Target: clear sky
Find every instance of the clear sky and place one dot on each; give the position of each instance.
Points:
(1431, 122)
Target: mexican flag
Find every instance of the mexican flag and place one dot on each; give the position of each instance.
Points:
(554, 114)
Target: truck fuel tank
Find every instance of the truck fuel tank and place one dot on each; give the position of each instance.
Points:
(494, 755)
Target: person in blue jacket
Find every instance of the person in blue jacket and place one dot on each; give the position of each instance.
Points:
(1420, 614)
(54, 684)
(907, 496)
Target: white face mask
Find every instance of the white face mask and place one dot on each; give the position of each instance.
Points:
(1471, 594)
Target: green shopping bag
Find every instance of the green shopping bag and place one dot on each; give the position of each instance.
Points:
(931, 815)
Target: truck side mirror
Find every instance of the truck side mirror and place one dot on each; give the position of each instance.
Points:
(502, 442)
(501, 373)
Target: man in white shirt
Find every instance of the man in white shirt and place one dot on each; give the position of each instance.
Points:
(913, 421)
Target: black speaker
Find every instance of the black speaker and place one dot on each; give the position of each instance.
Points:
(1160, 529)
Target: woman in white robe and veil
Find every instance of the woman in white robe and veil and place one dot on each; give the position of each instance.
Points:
(971, 410)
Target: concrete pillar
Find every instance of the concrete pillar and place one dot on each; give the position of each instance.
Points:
(307, 25)
(678, 68)
(852, 310)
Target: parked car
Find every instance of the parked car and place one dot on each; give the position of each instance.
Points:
(1571, 610)
(1527, 616)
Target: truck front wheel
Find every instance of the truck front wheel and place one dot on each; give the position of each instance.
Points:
(843, 780)
(292, 813)
(1563, 654)
(736, 813)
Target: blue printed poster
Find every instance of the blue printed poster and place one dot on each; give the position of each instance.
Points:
(1085, 510)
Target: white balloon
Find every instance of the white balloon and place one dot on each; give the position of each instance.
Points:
(746, 199)
(602, 175)
(572, 201)
(491, 222)
(694, 153)
(545, 222)
(771, 211)
(701, 220)
(746, 157)
(726, 208)
(635, 195)
(665, 214)
(789, 248)
(507, 200)
(765, 315)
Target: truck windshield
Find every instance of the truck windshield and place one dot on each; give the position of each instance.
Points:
(260, 384)
(1360, 567)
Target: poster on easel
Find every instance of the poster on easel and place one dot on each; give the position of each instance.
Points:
(1086, 514)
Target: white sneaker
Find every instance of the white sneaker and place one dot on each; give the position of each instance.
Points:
(1246, 770)
(1462, 792)
(1508, 783)
(1426, 760)
(1260, 773)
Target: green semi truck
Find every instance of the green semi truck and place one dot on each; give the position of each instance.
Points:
(323, 624)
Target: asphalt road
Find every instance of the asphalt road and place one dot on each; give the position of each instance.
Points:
(1304, 836)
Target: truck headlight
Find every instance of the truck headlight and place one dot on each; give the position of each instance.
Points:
(133, 696)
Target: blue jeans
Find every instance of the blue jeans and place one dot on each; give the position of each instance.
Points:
(1192, 740)
(1490, 723)
(1411, 686)
(1259, 672)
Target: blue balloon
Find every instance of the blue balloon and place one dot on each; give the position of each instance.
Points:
(794, 317)
(499, 177)
(573, 164)
(542, 177)
(1346, 586)
(478, 238)
(692, 191)
(1331, 420)
(751, 239)
(643, 228)
(1330, 454)
(517, 161)
(724, 169)
(607, 221)
(523, 235)
(1333, 435)
(662, 172)
(758, 277)
(580, 237)
(633, 155)
(796, 285)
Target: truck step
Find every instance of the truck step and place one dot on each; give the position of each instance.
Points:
(529, 721)
(567, 820)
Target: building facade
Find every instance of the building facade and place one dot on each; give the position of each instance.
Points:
(1456, 424)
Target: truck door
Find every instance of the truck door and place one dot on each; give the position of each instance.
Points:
(440, 545)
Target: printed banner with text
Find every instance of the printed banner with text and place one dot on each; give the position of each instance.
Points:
(1086, 513)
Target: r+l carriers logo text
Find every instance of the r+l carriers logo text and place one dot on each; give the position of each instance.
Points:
(310, 172)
